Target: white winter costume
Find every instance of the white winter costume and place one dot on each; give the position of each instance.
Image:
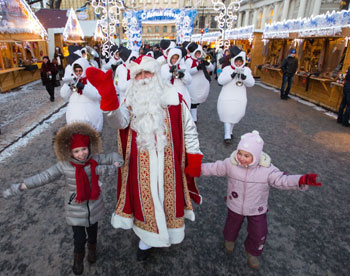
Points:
(163, 58)
(232, 100)
(200, 86)
(83, 107)
(178, 84)
(122, 78)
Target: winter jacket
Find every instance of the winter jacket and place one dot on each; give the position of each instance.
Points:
(248, 188)
(45, 68)
(89, 211)
(289, 65)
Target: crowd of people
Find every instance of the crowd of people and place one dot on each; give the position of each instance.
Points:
(152, 97)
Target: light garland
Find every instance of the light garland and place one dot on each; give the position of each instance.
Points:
(329, 24)
(225, 18)
(72, 27)
(109, 10)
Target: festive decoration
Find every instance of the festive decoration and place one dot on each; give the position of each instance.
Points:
(98, 32)
(183, 19)
(17, 17)
(329, 24)
(225, 18)
(109, 12)
(72, 28)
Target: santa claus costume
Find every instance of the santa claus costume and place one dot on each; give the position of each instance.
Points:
(199, 70)
(84, 99)
(232, 101)
(122, 74)
(165, 46)
(159, 142)
(177, 74)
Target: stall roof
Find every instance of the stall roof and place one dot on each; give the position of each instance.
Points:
(51, 18)
(17, 17)
(88, 27)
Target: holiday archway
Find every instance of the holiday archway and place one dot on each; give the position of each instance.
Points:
(183, 19)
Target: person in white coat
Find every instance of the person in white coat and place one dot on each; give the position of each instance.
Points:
(232, 101)
(199, 70)
(114, 61)
(175, 73)
(165, 46)
(84, 99)
(122, 74)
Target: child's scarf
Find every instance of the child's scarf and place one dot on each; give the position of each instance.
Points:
(82, 182)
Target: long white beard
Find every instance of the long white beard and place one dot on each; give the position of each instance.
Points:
(148, 116)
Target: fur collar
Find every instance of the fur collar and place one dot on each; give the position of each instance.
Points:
(170, 96)
(264, 160)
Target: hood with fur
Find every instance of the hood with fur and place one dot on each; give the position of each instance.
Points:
(176, 51)
(84, 63)
(64, 135)
(242, 55)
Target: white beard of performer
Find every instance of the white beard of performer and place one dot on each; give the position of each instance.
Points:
(143, 96)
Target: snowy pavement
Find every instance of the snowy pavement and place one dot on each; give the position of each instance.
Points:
(23, 110)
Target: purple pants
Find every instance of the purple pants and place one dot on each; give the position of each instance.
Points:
(257, 231)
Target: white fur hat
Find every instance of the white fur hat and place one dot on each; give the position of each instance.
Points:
(143, 63)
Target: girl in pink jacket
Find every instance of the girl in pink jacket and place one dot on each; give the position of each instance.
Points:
(250, 173)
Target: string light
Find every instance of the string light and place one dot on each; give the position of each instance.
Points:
(72, 27)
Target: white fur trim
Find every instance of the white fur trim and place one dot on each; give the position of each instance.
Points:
(176, 235)
(83, 62)
(242, 55)
(152, 239)
(189, 214)
(147, 64)
(198, 49)
(264, 160)
(121, 222)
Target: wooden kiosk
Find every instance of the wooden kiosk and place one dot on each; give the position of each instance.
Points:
(22, 45)
(251, 42)
(322, 49)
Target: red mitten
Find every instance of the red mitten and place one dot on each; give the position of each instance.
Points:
(309, 179)
(194, 162)
(105, 86)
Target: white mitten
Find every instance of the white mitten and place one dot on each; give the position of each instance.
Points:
(12, 191)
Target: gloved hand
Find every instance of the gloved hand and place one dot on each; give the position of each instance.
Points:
(80, 85)
(200, 66)
(309, 179)
(172, 69)
(243, 77)
(233, 75)
(12, 191)
(181, 75)
(105, 86)
(194, 162)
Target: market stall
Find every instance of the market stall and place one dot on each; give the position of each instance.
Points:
(22, 45)
(322, 49)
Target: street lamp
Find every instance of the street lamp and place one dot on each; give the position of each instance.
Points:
(227, 15)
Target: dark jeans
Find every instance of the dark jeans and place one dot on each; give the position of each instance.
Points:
(79, 235)
(286, 79)
(257, 231)
(345, 104)
(51, 90)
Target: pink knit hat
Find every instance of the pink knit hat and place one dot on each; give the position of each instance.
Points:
(252, 143)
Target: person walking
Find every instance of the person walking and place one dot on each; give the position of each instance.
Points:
(289, 67)
(343, 117)
(48, 77)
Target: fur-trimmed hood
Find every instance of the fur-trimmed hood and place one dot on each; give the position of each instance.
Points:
(64, 135)
(264, 160)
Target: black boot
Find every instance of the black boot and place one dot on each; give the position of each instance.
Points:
(91, 253)
(143, 255)
(78, 265)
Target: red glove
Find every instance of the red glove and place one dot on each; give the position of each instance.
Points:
(105, 86)
(194, 162)
(309, 179)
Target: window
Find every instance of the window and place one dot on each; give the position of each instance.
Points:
(213, 23)
(149, 30)
(173, 29)
(201, 22)
(156, 29)
(165, 29)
